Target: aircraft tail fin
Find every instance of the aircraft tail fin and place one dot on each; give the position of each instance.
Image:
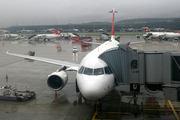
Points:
(3, 32)
(112, 34)
(58, 32)
(53, 31)
(147, 30)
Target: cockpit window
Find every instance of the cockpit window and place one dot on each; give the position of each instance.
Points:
(98, 71)
(107, 70)
(88, 71)
(81, 70)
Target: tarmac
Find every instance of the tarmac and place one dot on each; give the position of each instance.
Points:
(69, 105)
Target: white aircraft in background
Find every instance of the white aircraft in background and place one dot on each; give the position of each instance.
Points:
(6, 36)
(46, 36)
(94, 79)
(160, 35)
(27, 31)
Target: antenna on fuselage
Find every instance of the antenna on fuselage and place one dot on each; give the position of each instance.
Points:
(112, 34)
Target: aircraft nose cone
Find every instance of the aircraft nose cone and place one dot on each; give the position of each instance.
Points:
(92, 90)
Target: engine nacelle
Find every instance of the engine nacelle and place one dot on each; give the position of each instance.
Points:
(57, 80)
(153, 88)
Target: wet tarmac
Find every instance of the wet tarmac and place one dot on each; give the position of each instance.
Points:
(69, 105)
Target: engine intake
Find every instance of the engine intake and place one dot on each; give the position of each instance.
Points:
(57, 80)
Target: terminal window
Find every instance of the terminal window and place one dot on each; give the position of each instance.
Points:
(134, 64)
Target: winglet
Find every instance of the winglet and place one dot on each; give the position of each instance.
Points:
(7, 52)
(112, 34)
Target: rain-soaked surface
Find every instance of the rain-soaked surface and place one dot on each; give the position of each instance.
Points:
(69, 105)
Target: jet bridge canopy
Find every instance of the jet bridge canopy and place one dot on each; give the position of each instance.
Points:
(116, 58)
(142, 67)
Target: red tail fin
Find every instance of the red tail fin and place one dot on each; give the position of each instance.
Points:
(58, 32)
(179, 31)
(112, 34)
(3, 32)
(53, 31)
(147, 30)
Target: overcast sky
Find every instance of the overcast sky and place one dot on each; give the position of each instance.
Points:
(51, 12)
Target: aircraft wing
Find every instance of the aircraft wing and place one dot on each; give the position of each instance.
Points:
(131, 43)
(95, 43)
(71, 66)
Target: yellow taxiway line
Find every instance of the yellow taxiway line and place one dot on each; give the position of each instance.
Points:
(174, 111)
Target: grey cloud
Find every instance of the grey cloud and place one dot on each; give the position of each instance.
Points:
(27, 12)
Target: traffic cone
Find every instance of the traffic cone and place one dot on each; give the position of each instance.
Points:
(152, 99)
(55, 94)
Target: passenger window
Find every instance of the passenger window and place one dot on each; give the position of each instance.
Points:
(81, 70)
(88, 71)
(134, 64)
(98, 71)
(107, 70)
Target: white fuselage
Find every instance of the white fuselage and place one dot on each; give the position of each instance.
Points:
(48, 36)
(172, 35)
(167, 35)
(11, 35)
(94, 87)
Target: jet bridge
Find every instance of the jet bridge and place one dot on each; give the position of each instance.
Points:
(135, 67)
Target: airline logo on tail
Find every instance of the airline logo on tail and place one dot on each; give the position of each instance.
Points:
(58, 32)
(147, 30)
(3, 32)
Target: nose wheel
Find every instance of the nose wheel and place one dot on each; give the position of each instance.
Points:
(77, 88)
(98, 106)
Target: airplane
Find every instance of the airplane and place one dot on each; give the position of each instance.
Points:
(94, 78)
(7, 36)
(46, 36)
(160, 35)
(27, 31)
(106, 36)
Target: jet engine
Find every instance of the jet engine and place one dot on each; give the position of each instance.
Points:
(153, 88)
(57, 80)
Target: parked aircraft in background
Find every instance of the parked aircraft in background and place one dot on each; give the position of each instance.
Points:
(105, 36)
(12, 36)
(27, 31)
(46, 36)
(94, 78)
(160, 35)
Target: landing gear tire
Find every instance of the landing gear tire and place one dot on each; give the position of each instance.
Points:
(44, 39)
(77, 88)
(98, 106)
